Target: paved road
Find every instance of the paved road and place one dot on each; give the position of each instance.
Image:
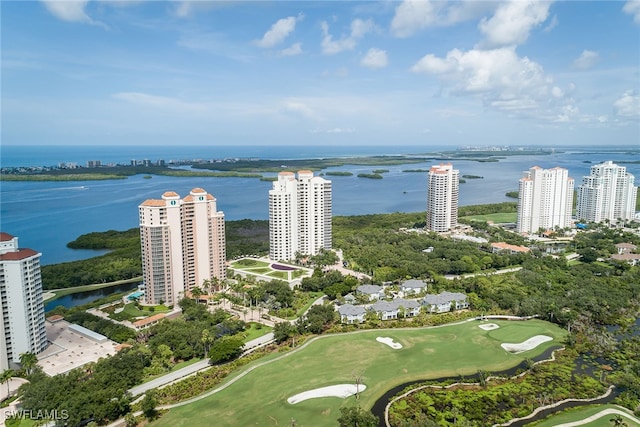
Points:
(464, 276)
(192, 369)
(600, 414)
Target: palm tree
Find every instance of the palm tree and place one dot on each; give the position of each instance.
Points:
(206, 285)
(28, 361)
(196, 293)
(5, 377)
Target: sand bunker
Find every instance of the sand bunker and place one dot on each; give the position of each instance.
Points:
(340, 390)
(390, 342)
(488, 326)
(529, 344)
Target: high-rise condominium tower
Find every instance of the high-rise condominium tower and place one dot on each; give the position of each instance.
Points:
(545, 199)
(22, 327)
(299, 215)
(607, 193)
(442, 197)
(183, 244)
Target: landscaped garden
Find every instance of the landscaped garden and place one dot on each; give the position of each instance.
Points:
(257, 267)
(257, 395)
(133, 311)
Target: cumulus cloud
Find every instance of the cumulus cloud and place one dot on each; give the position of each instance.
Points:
(632, 7)
(513, 21)
(279, 31)
(294, 49)
(359, 28)
(375, 58)
(628, 105)
(414, 15)
(586, 60)
(70, 11)
(499, 77)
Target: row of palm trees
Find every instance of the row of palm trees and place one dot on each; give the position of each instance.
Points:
(28, 361)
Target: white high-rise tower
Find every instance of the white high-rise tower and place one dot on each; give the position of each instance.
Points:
(608, 193)
(22, 322)
(442, 197)
(299, 215)
(545, 199)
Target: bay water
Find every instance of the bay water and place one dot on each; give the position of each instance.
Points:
(47, 215)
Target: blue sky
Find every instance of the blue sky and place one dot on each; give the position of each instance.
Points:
(332, 72)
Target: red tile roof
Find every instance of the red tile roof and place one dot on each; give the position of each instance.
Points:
(5, 237)
(18, 255)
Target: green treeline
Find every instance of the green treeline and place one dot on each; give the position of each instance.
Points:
(370, 175)
(338, 173)
(512, 194)
(113, 331)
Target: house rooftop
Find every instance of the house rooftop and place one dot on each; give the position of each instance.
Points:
(351, 310)
(369, 289)
(414, 283)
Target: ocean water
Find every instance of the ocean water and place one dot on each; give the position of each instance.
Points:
(47, 215)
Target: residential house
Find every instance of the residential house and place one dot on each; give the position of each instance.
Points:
(387, 310)
(626, 253)
(373, 292)
(445, 302)
(412, 287)
(351, 313)
(502, 247)
(626, 248)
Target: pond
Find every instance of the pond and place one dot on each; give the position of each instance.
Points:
(85, 297)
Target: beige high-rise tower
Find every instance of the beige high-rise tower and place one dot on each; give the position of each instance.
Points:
(183, 244)
(299, 215)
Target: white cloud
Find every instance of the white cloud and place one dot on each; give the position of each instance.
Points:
(375, 58)
(414, 15)
(358, 29)
(551, 25)
(186, 8)
(70, 11)
(513, 21)
(632, 7)
(334, 130)
(628, 106)
(279, 31)
(294, 49)
(587, 59)
(500, 78)
(299, 107)
(159, 102)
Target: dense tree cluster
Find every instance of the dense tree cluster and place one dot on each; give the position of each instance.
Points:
(375, 245)
(332, 283)
(111, 330)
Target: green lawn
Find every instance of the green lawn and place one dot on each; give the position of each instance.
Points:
(260, 396)
(253, 332)
(131, 312)
(249, 263)
(583, 412)
(497, 218)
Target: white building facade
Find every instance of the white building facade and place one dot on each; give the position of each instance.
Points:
(545, 200)
(300, 211)
(607, 193)
(22, 321)
(183, 244)
(442, 197)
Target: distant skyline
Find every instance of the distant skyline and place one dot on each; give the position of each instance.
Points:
(311, 73)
